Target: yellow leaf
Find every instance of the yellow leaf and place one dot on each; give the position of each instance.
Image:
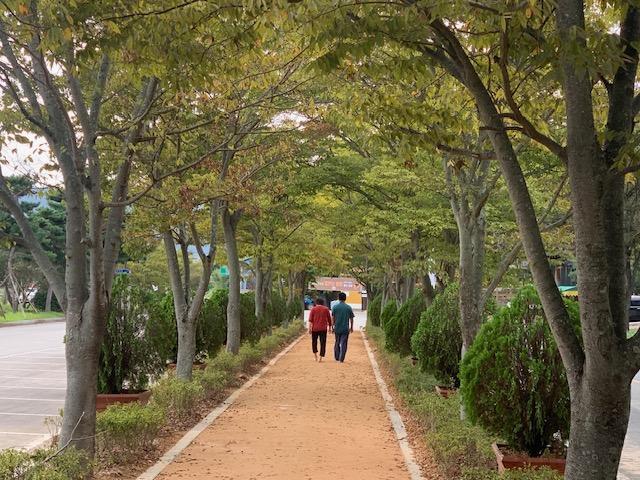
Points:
(23, 9)
(67, 33)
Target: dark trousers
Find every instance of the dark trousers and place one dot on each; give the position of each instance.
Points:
(340, 348)
(323, 342)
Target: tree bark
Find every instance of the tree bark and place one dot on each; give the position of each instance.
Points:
(229, 223)
(47, 305)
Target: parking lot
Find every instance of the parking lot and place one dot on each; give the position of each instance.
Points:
(32, 382)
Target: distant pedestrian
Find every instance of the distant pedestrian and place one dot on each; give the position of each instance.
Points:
(342, 326)
(319, 323)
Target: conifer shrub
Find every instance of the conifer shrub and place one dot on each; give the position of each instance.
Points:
(400, 329)
(388, 312)
(437, 342)
(177, 398)
(513, 381)
(374, 310)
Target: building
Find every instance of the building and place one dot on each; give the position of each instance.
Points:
(355, 292)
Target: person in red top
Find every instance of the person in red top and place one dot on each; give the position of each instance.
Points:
(319, 322)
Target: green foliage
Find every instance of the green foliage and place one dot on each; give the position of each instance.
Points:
(294, 310)
(125, 429)
(374, 310)
(177, 398)
(388, 313)
(212, 381)
(128, 356)
(437, 342)
(40, 301)
(276, 312)
(457, 444)
(224, 361)
(212, 324)
(513, 379)
(517, 474)
(249, 327)
(249, 355)
(43, 465)
(400, 328)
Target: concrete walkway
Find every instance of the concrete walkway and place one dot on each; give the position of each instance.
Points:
(302, 420)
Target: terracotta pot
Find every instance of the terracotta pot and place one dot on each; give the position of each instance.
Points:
(196, 366)
(511, 461)
(445, 392)
(103, 400)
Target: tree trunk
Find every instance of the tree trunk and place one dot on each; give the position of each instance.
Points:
(47, 305)
(229, 224)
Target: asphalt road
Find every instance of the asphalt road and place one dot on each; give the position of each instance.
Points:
(32, 382)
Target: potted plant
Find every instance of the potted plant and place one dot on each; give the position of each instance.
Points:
(437, 342)
(514, 384)
(132, 351)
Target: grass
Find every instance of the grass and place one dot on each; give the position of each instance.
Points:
(18, 316)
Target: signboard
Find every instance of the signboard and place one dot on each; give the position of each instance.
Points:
(224, 271)
(336, 284)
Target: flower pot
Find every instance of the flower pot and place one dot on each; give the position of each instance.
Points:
(508, 461)
(196, 366)
(103, 400)
(445, 392)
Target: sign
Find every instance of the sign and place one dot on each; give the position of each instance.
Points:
(224, 271)
(122, 271)
(334, 284)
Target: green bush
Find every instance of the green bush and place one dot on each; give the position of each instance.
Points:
(276, 313)
(249, 326)
(40, 301)
(212, 381)
(294, 310)
(71, 464)
(517, 474)
(124, 429)
(513, 380)
(437, 342)
(212, 324)
(388, 313)
(249, 355)
(225, 361)
(177, 398)
(128, 357)
(374, 310)
(400, 328)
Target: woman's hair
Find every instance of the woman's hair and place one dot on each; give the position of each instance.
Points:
(319, 301)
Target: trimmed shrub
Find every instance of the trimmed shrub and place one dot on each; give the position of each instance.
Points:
(124, 429)
(294, 310)
(400, 328)
(40, 301)
(374, 310)
(388, 312)
(276, 313)
(513, 380)
(249, 355)
(177, 398)
(249, 328)
(437, 342)
(71, 464)
(224, 361)
(517, 474)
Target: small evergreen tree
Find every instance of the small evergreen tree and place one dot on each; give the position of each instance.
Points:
(374, 310)
(437, 342)
(513, 380)
(400, 328)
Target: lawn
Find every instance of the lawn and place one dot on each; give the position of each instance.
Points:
(16, 317)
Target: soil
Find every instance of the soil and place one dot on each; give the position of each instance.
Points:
(302, 420)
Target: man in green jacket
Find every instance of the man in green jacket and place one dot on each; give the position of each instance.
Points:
(342, 326)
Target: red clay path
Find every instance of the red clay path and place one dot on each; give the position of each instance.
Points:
(301, 420)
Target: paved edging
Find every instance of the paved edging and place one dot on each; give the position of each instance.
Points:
(155, 470)
(31, 322)
(394, 416)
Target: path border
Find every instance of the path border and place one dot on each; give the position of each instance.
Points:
(152, 472)
(394, 416)
(34, 321)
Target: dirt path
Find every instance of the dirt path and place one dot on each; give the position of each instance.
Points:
(302, 420)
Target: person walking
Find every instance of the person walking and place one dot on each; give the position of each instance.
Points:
(319, 322)
(342, 326)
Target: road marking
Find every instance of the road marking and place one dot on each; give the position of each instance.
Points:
(29, 378)
(394, 416)
(191, 435)
(2, 368)
(31, 399)
(13, 355)
(31, 414)
(22, 433)
(18, 387)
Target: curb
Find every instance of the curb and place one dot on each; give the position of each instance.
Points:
(152, 472)
(394, 416)
(31, 322)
